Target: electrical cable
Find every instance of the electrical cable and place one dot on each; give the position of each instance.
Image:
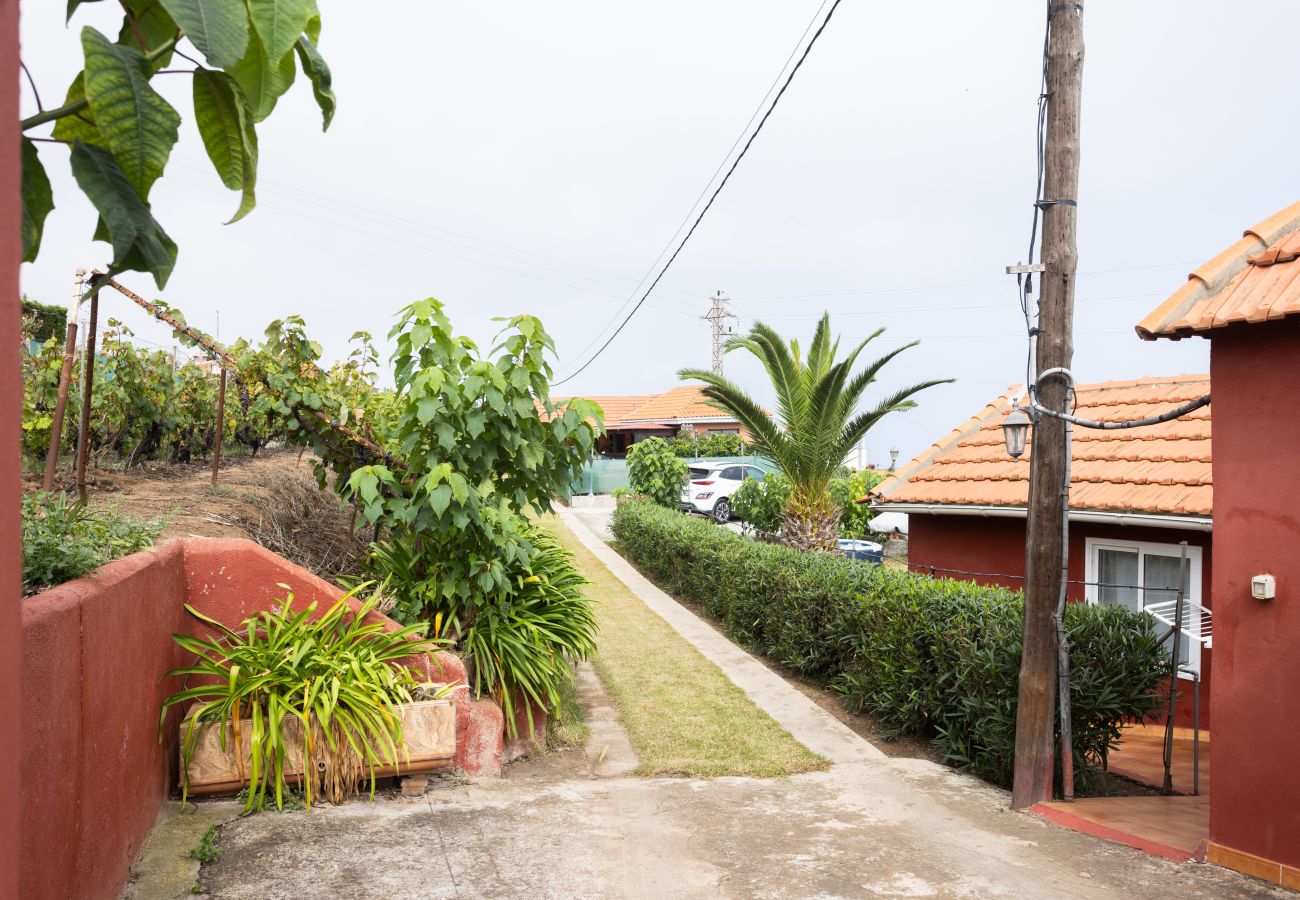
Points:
(1024, 282)
(699, 218)
(704, 190)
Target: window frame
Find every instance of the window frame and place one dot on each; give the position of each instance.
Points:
(1195, 555)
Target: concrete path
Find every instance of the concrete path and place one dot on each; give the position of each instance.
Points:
(870, 826)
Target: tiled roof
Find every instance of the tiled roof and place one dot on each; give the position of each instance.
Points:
(671, 407)
(676, 405)
(1257, 279)
(616, 408)
(1156, 470)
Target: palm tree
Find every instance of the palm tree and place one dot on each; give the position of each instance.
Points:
(815, 426)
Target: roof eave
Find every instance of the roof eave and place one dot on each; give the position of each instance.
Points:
(1139, 519)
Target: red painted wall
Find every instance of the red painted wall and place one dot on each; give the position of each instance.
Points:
(997, 545)
(11, 588)
(1255, 805)
(94, 774)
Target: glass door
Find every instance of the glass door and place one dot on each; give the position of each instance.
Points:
(1135, 575)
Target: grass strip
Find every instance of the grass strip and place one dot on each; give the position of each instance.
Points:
(682, 714)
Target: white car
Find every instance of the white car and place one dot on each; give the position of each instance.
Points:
(709, 485)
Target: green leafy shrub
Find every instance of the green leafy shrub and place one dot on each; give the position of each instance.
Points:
(654, 470)
(523, 650)
(855, 518)
(759, 504)
(64, 539)
(933, 657)
(707, 444)
(335, 680)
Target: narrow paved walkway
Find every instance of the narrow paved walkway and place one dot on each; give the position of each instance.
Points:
(870, 826)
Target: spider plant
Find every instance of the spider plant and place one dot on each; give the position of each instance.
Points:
(335, 680)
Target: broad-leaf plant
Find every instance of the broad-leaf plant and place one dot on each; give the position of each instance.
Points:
(241, 57)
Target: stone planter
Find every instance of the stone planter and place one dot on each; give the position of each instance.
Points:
(428, 745)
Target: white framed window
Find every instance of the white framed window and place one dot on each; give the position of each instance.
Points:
(1134, 574)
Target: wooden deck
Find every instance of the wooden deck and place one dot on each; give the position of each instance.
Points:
(1140, 756)
(1176, 828)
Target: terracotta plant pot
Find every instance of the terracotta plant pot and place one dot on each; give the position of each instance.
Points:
(428, 745)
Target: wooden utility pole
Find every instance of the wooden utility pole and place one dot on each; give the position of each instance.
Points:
(1043, 545)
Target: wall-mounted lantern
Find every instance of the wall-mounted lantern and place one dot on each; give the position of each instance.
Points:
(1015, 430)
(893, 458)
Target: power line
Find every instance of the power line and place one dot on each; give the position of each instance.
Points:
(704, 190)
(428, 249)
(966, 284)
(749, 143)
(920, 309)
(386, 220)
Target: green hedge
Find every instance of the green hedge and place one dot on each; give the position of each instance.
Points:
(932, 657)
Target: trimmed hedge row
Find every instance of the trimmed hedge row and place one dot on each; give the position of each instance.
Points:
(933, 657)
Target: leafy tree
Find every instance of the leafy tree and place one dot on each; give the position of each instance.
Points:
(479, 442)
(816, 425)
(475, 443)
(121, 131)
(47, 321)
(654, 470)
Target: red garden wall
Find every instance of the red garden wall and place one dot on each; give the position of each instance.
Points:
(11, 404)
(94, 774)
(997, 545)
(1255, 805)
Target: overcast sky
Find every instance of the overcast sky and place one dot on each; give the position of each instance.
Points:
(511, 157)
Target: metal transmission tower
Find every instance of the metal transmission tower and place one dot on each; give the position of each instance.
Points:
(720, 318)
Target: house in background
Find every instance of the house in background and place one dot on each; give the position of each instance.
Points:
(684, 409)
(1135, 497)
(1246, 301)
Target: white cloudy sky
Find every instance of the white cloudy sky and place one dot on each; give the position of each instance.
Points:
(514, 157)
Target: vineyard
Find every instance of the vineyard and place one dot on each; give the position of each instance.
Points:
(152, 404)
(443, 469)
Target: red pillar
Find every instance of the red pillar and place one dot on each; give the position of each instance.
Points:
(10, 465)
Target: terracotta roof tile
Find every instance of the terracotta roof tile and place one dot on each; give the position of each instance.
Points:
(672, 407)
(677, 404)
(1161, 469)
(1237, 286)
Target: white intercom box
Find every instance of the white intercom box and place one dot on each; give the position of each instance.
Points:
(1263, 587)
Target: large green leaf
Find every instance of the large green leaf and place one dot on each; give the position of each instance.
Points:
(81, 126)
(139, 243)
(38, 200)
(137, 124)
(262, 82)
(313, 64)
(147, 26)
(219, 28)
(313, 23)
(278, 24)
(226, 125)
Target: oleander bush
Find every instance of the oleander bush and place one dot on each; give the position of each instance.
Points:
(936, 658)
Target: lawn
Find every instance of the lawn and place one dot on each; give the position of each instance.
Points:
(682, 714)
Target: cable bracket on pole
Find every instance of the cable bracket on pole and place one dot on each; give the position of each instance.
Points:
(1043, 204)
(1062, 7)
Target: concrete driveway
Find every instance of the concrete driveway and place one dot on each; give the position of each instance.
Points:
(568, 825)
